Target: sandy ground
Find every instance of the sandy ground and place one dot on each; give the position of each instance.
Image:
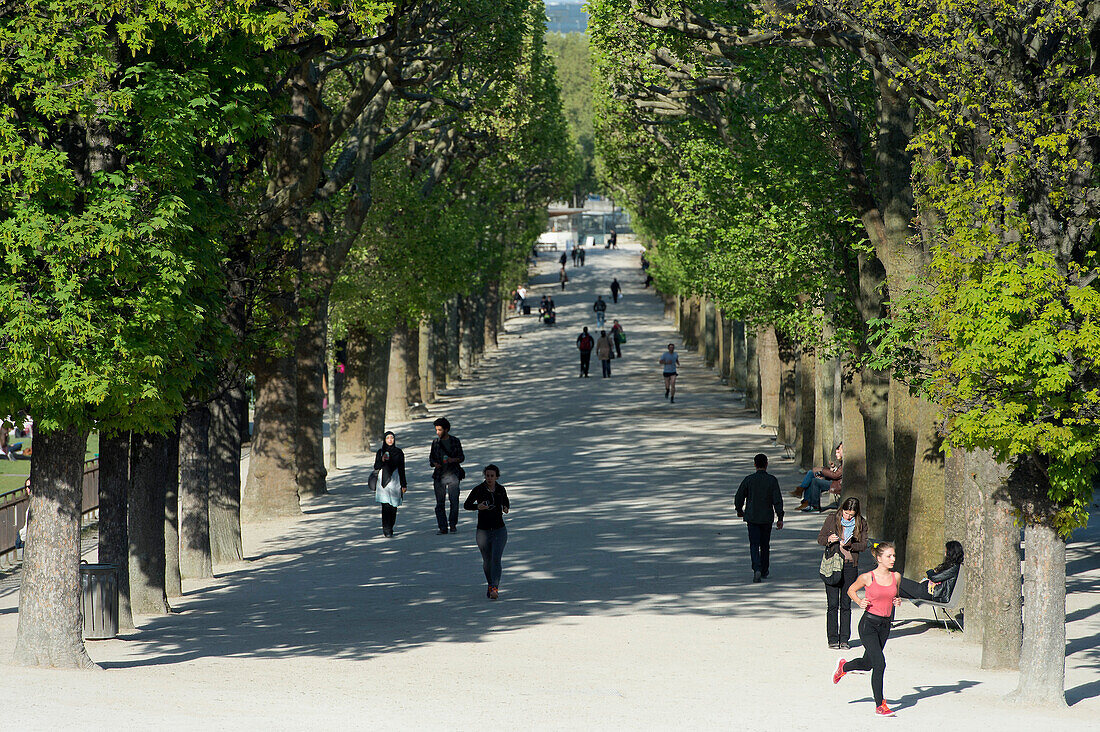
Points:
(626, 601)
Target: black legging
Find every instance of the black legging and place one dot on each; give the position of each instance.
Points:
(914, 590)
(389, 518)
(873, 632)
(491, 543)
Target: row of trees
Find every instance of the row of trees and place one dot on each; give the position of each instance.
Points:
(199, 196)
(911, 188)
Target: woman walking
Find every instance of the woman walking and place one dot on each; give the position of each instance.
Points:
(844, 532)
(880, 597)
(390, 461)
(490, 500)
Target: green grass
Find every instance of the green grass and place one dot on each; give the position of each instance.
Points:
(13, 473)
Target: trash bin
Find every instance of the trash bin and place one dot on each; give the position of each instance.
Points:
(99, 600)
(526, 309)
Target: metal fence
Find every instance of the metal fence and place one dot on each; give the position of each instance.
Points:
(13, 511)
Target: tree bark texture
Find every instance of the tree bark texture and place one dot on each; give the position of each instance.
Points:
(271, 488)
(925, 535)
(454, 340)
(353, 437)
(413, 390)
(196, 559)
(309, 443)
(49, 632)
(788, 393)
(173, 583)
(149, 467)
(982, 476)
(807, 411)
(1043, 651)
(1002, 583)
(493, 316)
(397, 397)
(753, 382)
(225, 476)
(710, 333)
(770, 375)
(426, 360)
(739, 365)
(725, 349)
(855, 452)
(824, 426)
(114, 491)
(466, 343)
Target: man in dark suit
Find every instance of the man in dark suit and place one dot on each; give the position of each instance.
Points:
(758, 501)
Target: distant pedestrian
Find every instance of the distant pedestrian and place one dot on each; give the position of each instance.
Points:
(562, 260)
(603, 352)
(580, 256)
(585, 344)
(619, 338)
(880, 597)
(490, 500)
(844, 533)
(613, 238)
(648, 281)
(446, 459)
(573, 255)
(601, 310)
(670, 362)
(758, 501)
(562, 276)
(616, 288)
(390, 461)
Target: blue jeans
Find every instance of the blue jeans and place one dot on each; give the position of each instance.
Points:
(813, 488)
(600, 318)
(446, 488)
(491, 544)
(760, 537)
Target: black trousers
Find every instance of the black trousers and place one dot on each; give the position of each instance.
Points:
(605, 363)
(760, 539)
(618, 350)
(389, 518)
(914, 590)
(838, 621)
(614, 296)
(586, 358)
(873, 632)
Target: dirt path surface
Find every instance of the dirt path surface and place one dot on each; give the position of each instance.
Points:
(626, 600)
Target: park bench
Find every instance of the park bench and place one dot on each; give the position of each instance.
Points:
(952, 605)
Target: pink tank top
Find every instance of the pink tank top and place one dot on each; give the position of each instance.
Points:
(881, 597)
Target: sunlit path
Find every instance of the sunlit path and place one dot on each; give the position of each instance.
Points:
(625, 601)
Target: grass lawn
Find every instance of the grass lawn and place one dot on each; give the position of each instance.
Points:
(13, 473)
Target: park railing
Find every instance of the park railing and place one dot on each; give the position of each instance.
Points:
(13, 511)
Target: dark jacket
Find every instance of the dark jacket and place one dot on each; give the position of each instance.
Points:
(945, 582)
(586, 342)
(836, 476)
(859, 535)
(599, 306)
(454, 450)
(497, 500)
(396, 462)
(759, 498)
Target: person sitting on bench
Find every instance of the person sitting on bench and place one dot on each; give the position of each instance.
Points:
(940, 581)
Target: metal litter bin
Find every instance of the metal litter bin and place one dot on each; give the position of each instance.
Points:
(99, 600)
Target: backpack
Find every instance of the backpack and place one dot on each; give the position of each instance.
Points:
(586, 342)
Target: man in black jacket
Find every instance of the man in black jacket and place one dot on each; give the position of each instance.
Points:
(758, 501)
(446, 458)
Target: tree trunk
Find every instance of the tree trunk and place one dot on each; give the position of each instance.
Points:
(426, 360)
(753, 382)
(1001, 579)
(855, 452)
(195, 555)
(954, 497)
(271, 488)
(824, 417)
(454, 342)
(149, 466)
(378, 370)
(173, 584)
(413, 395)
(397, 398)
(466, 337)
(225, 477)
(807, 427)
(492, 316)
(353, 437)
(49, 632)
(333, 404)
(114, 490)
(309, 441)
(925, 535)
(1043, 652)
(788, 393)
(725, 349)
(710, 333)
(982, 476)
(739, 363)
(770, 377)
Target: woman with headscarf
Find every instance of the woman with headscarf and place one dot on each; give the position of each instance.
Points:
(390, 462)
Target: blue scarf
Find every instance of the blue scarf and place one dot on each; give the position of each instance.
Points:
(847, 527)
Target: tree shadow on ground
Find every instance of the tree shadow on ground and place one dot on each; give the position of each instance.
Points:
(922, 692)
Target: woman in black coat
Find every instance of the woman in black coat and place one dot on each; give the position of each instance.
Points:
(939, 581)
(390, 462)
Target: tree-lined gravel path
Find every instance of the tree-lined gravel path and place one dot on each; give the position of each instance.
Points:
(626, 600)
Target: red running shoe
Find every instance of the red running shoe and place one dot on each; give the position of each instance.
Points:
(884, 710)
(839, 673)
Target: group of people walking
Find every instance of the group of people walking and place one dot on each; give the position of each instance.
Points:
(489, 498)
(844, 535)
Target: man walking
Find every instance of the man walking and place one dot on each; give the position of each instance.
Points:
(758, 501)
(562, 260)
(619, 337)
(562, 276)
(616, 288)
(580, 256)
(601, 310)
(446, 458)
(669, 362)
(585, 344)
(603, 352)
(573, 255)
